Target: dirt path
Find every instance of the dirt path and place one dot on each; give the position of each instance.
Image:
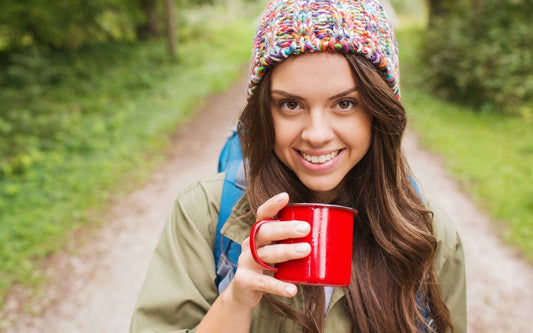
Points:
(499, 283)
(94, 289)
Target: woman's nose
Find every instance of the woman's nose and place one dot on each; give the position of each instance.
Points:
(317, 130)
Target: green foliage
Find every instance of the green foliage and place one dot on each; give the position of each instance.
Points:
(44, 95)
(490, 154)
(483, 57)
(409, 10)
(80, 127)
(67, 23)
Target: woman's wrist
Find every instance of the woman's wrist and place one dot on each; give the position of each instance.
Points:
(228, 299)
(227, 315)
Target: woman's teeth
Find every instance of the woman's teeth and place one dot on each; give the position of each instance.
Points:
(317, 159)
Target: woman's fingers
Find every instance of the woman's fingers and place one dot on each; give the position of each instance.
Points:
(272, 206)
(250, 275)
(280, 230)
(268, 284)
(250, 283)
(277, 253)
(276, 230)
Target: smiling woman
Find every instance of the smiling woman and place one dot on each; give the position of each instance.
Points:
(322, 129)
(323, 124)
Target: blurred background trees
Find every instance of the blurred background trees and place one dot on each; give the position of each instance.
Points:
(480, 52)
(53, 53)
(66, 24)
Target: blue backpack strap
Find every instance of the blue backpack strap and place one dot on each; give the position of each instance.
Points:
(423, 308)
(415, 185)
(226, 251)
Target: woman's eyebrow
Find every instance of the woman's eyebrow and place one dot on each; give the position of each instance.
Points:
(286, 94)
(341, 94)
(344, 93)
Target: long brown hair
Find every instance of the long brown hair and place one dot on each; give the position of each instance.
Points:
(394, 247)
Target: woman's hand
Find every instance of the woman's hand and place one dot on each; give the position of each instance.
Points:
(232, 311)
(250, 283)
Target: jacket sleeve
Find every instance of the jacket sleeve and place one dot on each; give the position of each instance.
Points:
(180, 286)
(450, 270)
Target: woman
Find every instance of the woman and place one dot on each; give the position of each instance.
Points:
(324, 124)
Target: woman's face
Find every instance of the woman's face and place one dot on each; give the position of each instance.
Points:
(321, 126)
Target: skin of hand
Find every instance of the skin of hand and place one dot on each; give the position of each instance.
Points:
(232, 310)
(250, 282)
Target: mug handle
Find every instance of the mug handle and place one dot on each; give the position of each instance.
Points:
(253, 248)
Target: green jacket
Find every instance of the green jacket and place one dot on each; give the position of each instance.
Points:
(180, 283)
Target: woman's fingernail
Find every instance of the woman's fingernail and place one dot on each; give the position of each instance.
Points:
(303, 248)
(280, 197)
(290, 290)
(302, 228)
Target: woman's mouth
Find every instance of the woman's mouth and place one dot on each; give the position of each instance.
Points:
(319, 159)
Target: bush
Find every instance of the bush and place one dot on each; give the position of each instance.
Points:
(66, 24)
(44, 95)
(483, 58)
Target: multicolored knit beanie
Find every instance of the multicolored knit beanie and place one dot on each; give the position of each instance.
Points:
(292, 27)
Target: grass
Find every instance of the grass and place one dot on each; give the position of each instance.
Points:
(489, 153)
(111, 123)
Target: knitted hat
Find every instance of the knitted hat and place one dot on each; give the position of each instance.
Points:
(347, 26)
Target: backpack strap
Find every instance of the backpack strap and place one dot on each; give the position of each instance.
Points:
(423, 308)
(415, 185)
(226, 251)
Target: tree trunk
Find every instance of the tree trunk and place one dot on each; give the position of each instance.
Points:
(477, 8)
(171, 38)
(150, 27)
(437, 8)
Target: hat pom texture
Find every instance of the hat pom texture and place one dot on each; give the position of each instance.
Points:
(292, 27)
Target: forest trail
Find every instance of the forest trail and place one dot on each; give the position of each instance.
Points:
(94, 288)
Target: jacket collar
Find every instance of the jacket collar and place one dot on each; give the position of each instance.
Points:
(240, 221)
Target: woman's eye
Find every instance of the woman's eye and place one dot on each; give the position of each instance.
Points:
(289, 105)
(346, 104)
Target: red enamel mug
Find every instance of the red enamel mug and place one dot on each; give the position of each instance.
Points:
(331, 239)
